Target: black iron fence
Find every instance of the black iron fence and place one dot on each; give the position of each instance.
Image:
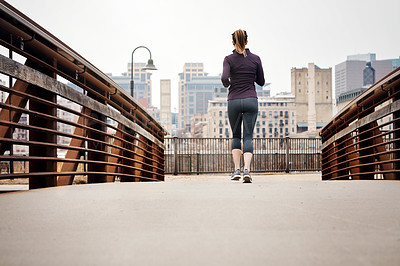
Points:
(213, 155)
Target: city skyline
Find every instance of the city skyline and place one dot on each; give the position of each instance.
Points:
(285, 34)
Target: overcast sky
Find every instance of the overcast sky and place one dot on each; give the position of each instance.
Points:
(285, 33)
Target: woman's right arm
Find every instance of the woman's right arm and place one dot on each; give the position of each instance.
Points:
(260, 80)
(225, 73)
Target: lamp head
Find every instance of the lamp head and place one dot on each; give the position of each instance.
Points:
(150, 65)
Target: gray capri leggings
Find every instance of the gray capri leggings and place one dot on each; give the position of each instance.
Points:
(243, 110)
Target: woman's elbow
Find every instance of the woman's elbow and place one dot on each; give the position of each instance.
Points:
(225, 82)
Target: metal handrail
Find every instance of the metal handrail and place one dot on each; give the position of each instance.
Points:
(362, 141)
(132, 151)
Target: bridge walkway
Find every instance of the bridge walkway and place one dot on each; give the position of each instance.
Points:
(292, 219)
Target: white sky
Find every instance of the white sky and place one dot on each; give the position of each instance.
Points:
(285, 33)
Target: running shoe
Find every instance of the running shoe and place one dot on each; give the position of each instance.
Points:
(236, 175)
(247, 177)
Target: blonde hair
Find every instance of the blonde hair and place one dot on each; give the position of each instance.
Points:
(239, 38)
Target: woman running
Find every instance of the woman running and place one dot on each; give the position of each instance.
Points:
(240, 70)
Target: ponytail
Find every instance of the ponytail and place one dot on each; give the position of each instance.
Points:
(239, 38)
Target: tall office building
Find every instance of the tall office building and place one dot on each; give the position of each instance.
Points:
(190, 70)
(349, 76)
(312, 88)
(358, 73)
(165, 105)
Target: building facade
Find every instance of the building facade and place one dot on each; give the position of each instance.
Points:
(312, 88)
(276, 118)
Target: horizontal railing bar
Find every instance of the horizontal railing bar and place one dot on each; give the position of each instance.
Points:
(65, 121)
(357, 158)
(366, 173)
(364, 132)
(384, 111)
(361, 165)
(82, 149)
(40, 174)
(72, 136)
(360, 149)
(35, 158)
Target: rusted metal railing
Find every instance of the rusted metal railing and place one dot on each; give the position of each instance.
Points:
(363, 140)
(213, 155)
(51, 132)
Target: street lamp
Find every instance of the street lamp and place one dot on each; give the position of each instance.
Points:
(150, 66)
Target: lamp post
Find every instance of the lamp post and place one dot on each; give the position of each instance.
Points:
(150, 66)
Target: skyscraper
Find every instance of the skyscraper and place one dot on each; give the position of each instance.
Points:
(165, 105)
(349, 76)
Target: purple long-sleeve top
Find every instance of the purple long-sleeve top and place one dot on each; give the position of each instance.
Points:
(240, 73)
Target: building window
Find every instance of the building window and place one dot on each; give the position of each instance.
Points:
(220, 113)
(299, 90)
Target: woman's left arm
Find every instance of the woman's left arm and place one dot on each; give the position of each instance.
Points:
(225, 73)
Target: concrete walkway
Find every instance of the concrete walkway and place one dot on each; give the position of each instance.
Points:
(204, 220)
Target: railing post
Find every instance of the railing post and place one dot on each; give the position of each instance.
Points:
(97, 143)
(396, 136)
(198, 163)
(43, 136)
(175, 143)
(287, 155)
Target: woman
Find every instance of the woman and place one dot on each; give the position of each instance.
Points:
(240, 70)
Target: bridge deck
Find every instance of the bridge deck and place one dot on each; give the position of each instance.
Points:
(277, 220)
